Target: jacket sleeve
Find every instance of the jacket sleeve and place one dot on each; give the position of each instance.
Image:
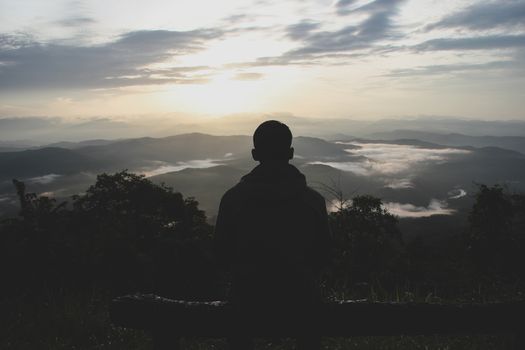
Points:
(224, 235)
(323, 236)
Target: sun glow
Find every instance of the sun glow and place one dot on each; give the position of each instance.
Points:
(224, 94)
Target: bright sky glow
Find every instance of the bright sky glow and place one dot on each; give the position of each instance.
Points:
(318, 58)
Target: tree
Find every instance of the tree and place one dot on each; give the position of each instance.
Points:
(124, 233)
(368, 241)
(496, 236)
(143, 236)
(33, 245)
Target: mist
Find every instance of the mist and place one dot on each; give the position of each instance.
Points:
(16, 132)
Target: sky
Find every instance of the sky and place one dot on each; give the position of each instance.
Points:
(318, 58)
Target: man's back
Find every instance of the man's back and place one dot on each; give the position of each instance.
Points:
(272, 232)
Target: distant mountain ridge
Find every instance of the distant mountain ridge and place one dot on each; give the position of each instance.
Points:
(43, 161)
(80, 144)
(45, 130)
(515, 143)
(204, 166)
(105, 155)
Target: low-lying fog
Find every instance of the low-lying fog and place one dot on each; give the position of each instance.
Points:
(406, 175)
(164, 167)
(395, 163)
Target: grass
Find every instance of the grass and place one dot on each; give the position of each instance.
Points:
(482, 342)
(81, 321)
(64, 321)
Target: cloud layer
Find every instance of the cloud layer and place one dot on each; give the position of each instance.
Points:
(406, 210)
(164, 167)
(394, 162)
(277, 53)
(45, 179)
(125, 61)
(486, 15)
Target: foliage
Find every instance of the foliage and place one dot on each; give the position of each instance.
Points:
(368, 243)
(496, 238)
(34, 248)
(123, 233)
(62, 262)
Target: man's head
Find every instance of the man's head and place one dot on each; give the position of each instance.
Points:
(272, 141)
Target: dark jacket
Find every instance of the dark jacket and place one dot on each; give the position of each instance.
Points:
(272, 233)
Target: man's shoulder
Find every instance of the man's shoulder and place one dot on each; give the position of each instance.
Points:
(239, 189)
(314, 193)
(315, 196)
(233, 194)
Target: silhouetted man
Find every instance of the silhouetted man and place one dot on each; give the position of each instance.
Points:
(272, 234)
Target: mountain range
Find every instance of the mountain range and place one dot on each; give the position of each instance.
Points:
(39, 131)
(516, 143)
(420, 177)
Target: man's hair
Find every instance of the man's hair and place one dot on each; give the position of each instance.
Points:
(272, 140)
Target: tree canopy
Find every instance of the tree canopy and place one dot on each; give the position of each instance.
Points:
(368, 241)
(121, 233)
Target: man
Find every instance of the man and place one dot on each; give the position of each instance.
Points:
(272, 234)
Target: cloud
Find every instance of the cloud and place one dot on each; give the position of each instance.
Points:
(237, 18)
(164, 167)
(10, 125)
(377, 26)
(344, 3)
(390, 159)
(455, 68)
(373, 31)
(358, 168)
(397, 184)
(483, 16)
(345, 7)
(248, 76)
(48, 194)
(45, 179)
(349, 41)
(457, 193)
(377, 6)
(396, 164)
(122, 62)
(14, 41)
(407, 210)
(488, 42)
(301, 30)
(76, 21)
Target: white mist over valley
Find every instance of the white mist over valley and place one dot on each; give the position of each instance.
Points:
(429, 173)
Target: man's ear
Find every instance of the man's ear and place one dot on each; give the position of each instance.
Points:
(254, 155)
(290, 153)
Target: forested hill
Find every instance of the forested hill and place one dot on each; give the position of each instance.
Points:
(99, 156)
(412, 175)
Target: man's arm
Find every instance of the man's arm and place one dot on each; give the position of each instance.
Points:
(224, 235)
(324, 240)
(323, 243)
